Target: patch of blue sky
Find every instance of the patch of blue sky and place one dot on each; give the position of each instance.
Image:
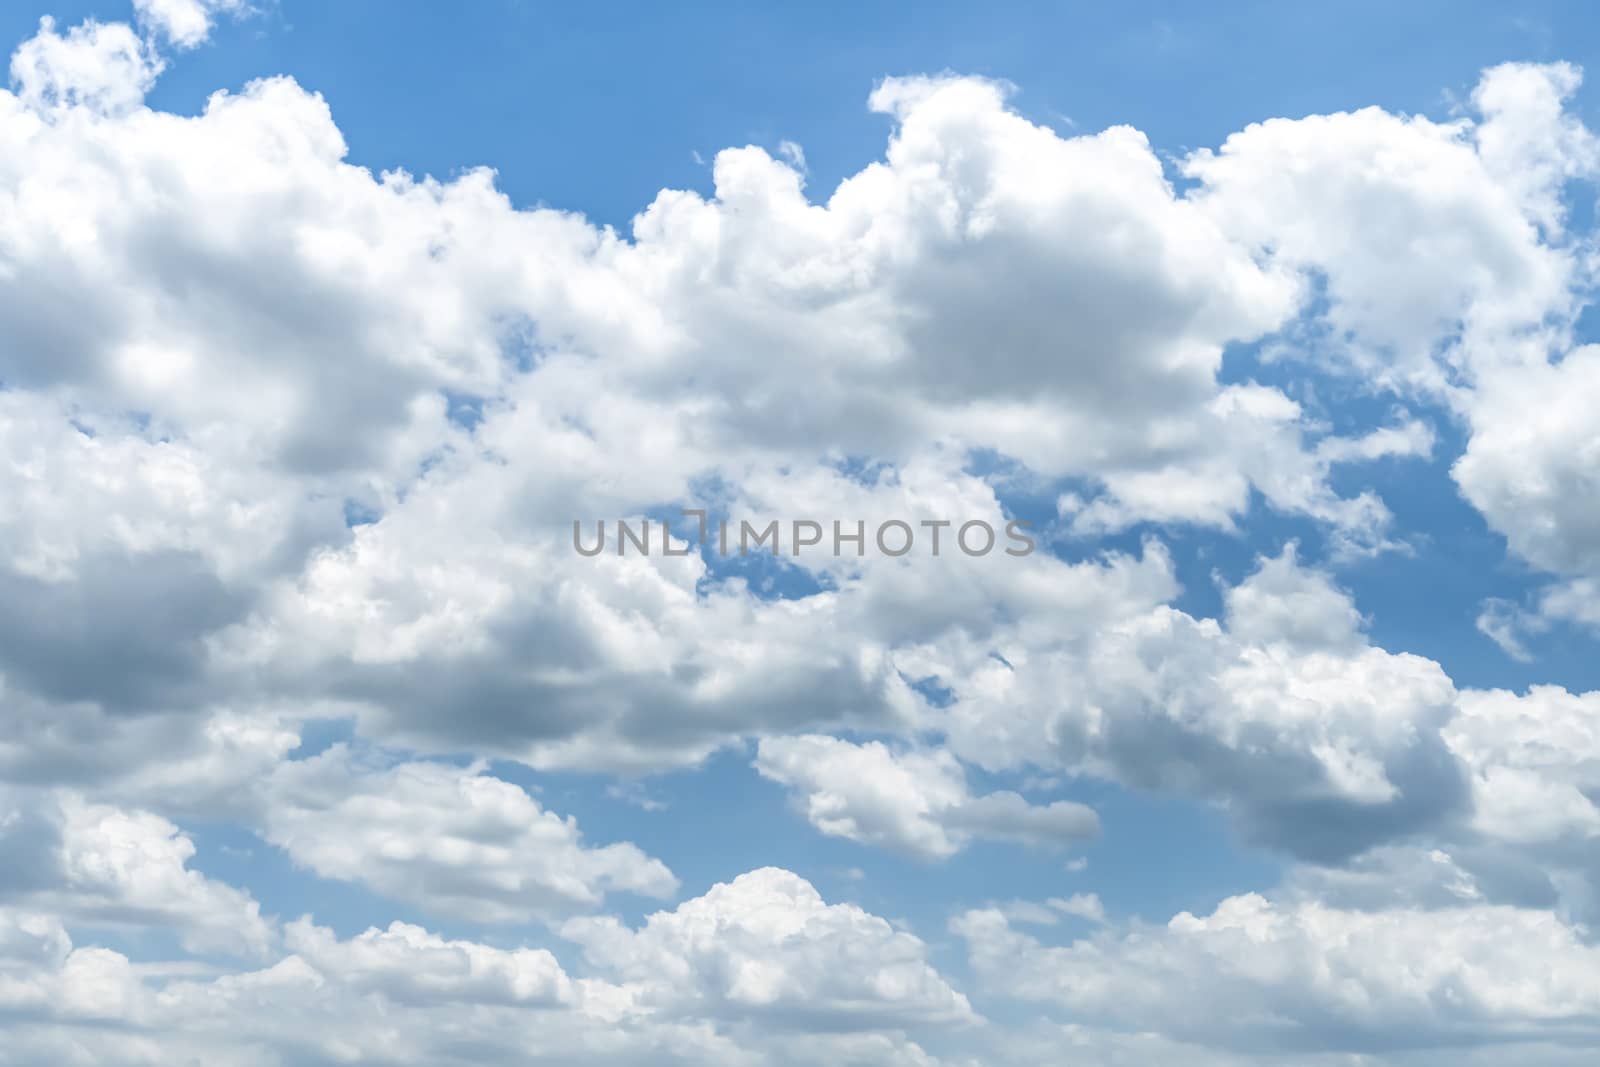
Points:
(769, 575)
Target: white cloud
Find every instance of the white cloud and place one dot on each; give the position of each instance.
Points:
(41, 973)
(1081, 905)
(1534, 761)
(456, 841)
(186, 23)
(1286, 715)
(1283, 603)
(1448, 268)
(914, 801)
(408, 964)
(100, 865)
(1426, 234)
(1506, 625)
(1260, 976)
(1086, 906)
(194, 398)
(95, 67)
(766, 946)
(281, 371)
(757, 973)
(1392, 877)
(1532, 465)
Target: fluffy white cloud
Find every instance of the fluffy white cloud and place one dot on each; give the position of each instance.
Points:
(1258, 975)
(1535, 762)
(1316, 741)
(41, 973)
(453, 840)
(403, 996)
(185, 23)
(1436, 241)
(285, 440)
(1532, 465)
(278, 373)
(1447, 267)
(741, 976)
(175, 762)
(914, 801)
(408, 964)
(100, 865)
(93, 68)
(767, 946)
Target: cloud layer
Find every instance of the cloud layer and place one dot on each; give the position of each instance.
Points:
(291, 448)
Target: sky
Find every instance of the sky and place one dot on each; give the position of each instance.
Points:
(330, 332)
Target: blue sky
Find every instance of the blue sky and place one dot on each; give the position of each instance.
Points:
(1294, 392)
(595, 108)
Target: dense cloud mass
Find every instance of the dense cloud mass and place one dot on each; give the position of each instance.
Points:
(293, 451)
(1256, 975)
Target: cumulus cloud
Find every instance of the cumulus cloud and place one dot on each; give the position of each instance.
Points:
(1435, 241)
(408, 964)
(95, 68)
(742, 975)
(186, 23)
(916, 802)
(1534, 760)
(455, 840)
(767, 946)
(1448, 268)
(101, 865)
(262, 474)
(285, 375)
(1535, 478)
(1316, 741)
(1259, 976)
